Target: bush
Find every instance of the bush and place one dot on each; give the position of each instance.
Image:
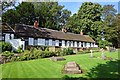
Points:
(7, 54)
(5, 46)
(19, 50)
(104, 43)
(66, 51)
(35, 54)
(48, 54)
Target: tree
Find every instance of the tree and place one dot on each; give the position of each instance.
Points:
(74, 24)
(88, 19)
(110, 20)
(51, 15)
(113, 32)
(10, 16)
(109, 14)
(89, 13)
(23, 13)
(6, 5)
(26, 12)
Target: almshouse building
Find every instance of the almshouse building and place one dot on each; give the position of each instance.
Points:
(26, 35)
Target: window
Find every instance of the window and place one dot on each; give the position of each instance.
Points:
(35, 41)
(77, 44)
(2, 38)
(46, 42)
(65, 43)
(60, 43)
(53, 42)
(85, 44)
(26, 43)
(73, 44)
(81, 44)
(10, 36)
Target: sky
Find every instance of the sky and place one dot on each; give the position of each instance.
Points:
(74, 5)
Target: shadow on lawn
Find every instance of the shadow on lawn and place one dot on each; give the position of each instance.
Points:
(108, 70)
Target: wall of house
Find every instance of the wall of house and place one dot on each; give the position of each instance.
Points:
(63, 43)
(56, 42)
(31, 41)
(41, 41)
(16, 43)
(50, 42)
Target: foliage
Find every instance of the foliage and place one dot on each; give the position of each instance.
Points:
(6, 5)
(104, 43)
(10, 16)
(109, 14)
(19, 50)
(110, 20)
(66, 51)
(51, 15)
(26, 12)
(5, 46)
(34, 53)
(7, 54)
(45, 68)
(87, 19)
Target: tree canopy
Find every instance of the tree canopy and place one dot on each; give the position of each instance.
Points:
(101, 23)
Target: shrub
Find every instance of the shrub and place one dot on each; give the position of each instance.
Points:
(66, 51)
(19, 50)
(5, 46)
(48, 54)
(7, 54)
(104, 43)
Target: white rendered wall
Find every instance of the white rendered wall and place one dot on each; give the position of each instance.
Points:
(7, 37)
(79, 44)
(31, 41)
(12, 36)
(56, 42)
(71, 43)
(63, 43)
(91, 44)
(41, 41)
(16, 43)
(84, 44)
(68, 43)
(50, 42)
(88, 45)
(75, 44)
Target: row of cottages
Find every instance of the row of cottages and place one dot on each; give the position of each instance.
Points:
(25, 35)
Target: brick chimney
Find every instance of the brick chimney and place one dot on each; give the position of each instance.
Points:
(36, 24)
(81, 32)
(64, 29)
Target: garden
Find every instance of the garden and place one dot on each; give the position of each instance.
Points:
(34, 63)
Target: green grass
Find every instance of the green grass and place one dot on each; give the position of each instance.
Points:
(45, 68)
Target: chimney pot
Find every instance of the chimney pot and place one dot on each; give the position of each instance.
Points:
(36, 24)
(64, 30)
(81, 33)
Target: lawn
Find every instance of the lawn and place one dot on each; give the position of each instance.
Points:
(45, 68)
